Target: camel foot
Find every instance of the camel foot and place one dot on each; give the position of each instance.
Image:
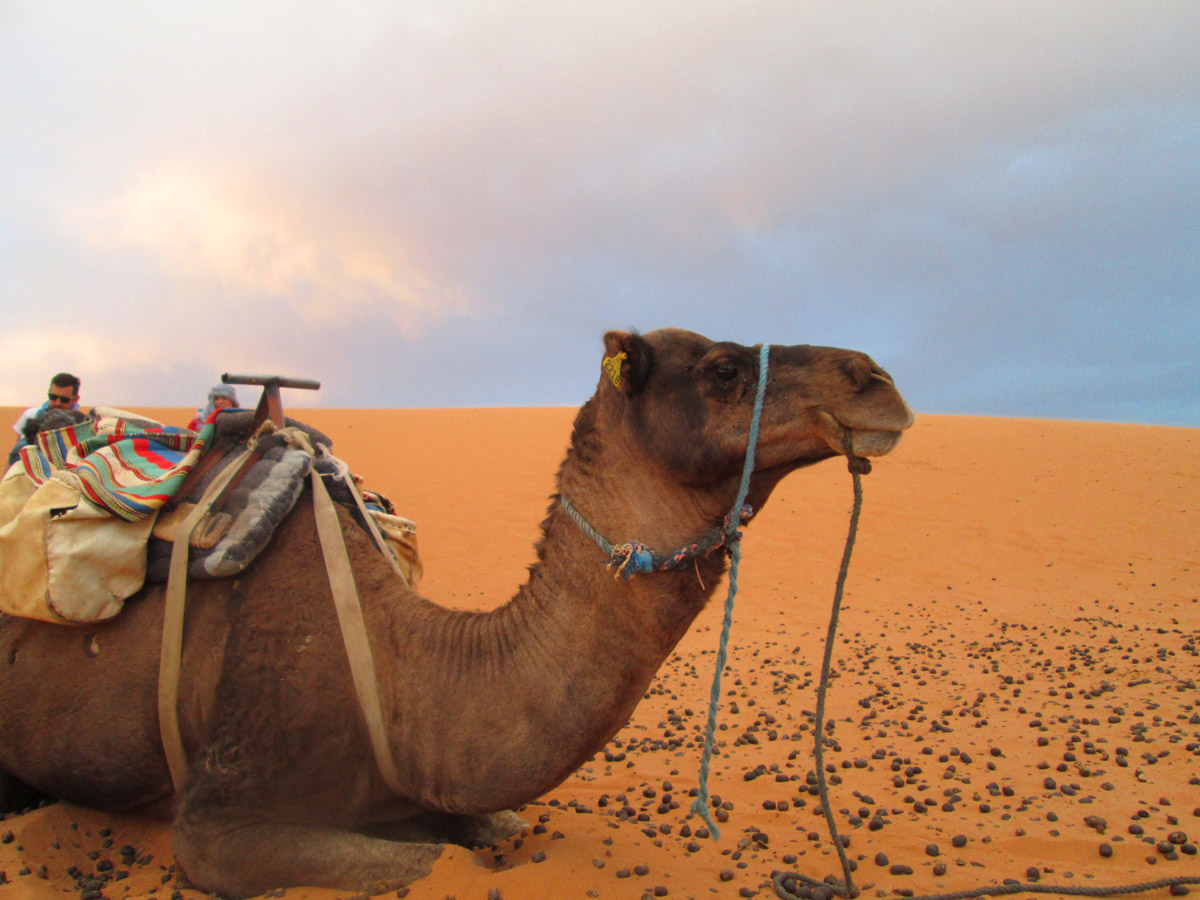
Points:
(467, 831)
(490, 830)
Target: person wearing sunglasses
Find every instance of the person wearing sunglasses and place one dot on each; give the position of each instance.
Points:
(63, 394)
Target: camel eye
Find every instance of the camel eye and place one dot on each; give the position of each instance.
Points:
(726, 372)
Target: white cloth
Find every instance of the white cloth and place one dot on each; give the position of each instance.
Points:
(19, 428)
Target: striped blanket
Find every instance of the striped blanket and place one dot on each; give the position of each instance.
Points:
(128, 469)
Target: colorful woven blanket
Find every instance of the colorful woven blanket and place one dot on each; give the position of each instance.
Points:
(125, 468)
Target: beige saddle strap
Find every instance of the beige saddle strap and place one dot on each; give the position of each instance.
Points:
(345, 599)
(372, 525)
(354, 629)
(172, 633)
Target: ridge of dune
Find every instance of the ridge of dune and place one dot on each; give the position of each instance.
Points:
(1016, 691)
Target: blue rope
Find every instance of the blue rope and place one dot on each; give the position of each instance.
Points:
(635, 557)
(700, 804)
(587, 529)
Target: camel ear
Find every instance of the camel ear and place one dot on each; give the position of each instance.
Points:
(628, 359)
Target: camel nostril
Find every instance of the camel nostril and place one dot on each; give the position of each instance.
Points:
(880, 375)
(860, 371)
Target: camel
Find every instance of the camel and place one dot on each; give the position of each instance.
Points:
(484, 711)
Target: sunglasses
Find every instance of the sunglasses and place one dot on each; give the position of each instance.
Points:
(59, 398)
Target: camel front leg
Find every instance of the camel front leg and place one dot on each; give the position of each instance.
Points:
(251, 859)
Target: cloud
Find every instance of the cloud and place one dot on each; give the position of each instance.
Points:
(53, 349)
(194, 229)
(406, 196)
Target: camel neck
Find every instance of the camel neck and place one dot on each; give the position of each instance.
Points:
(541, 683)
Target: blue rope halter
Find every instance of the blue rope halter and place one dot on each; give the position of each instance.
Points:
(635, 557)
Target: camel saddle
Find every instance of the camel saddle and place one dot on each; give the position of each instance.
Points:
(89, 514)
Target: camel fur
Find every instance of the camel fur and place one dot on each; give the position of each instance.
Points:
(485, 711)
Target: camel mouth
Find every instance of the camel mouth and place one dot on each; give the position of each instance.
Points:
(859, 440)
(873, 443)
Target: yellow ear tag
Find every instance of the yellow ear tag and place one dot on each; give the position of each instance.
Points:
(612, 365)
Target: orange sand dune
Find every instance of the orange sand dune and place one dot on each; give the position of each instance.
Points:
(1016, 692)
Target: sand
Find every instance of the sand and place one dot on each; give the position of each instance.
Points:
(1016, 692)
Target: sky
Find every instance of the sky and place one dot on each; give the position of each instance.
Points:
(447, 204)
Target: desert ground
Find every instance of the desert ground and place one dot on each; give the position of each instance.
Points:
(1016, 673)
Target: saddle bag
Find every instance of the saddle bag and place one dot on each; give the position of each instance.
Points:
(62, 558)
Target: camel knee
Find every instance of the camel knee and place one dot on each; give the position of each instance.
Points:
(202, 853)
(223, 859)
(249, 859)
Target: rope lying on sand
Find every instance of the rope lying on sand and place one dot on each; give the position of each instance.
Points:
(797, 886)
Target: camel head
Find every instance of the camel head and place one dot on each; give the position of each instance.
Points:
(688, 402)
